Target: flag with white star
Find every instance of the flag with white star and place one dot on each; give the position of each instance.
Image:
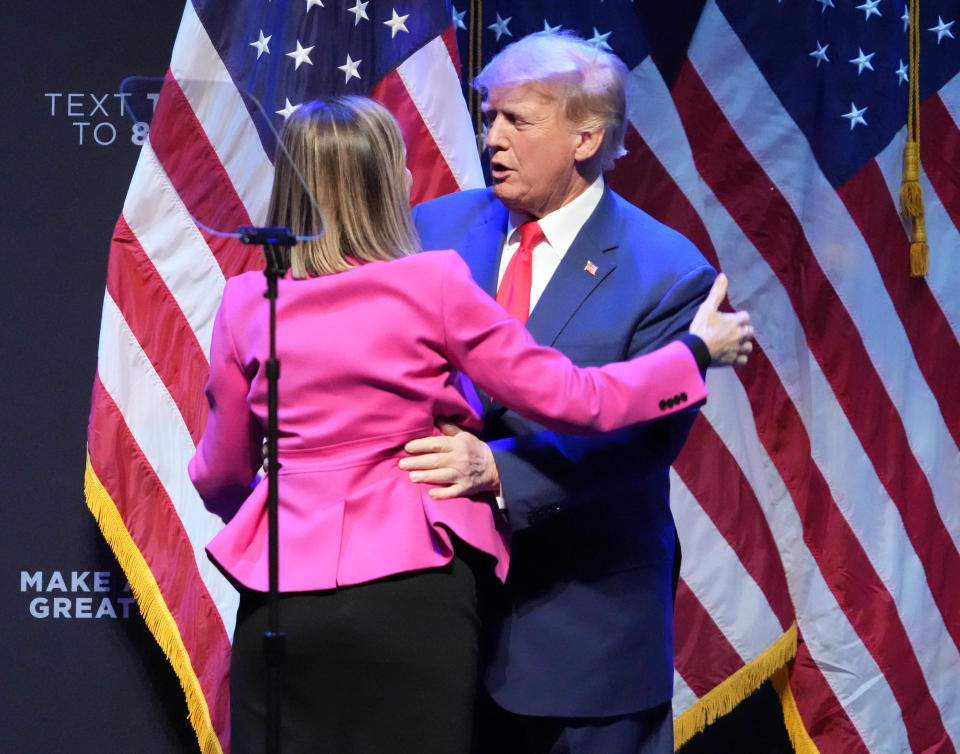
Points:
(816, 497)
(237, 71)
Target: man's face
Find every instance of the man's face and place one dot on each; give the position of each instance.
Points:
(532, 150)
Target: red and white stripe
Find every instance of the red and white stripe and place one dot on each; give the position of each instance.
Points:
(832, 459)
(204, 160)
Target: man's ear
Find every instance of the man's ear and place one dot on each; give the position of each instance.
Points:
(588, 144)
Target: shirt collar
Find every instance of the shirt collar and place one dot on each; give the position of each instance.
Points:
(561, 226)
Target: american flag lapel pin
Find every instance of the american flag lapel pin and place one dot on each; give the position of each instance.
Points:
(591, 267)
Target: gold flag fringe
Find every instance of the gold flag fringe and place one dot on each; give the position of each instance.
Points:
(152, 606)
(799, 738)
(723, 698)
(911, 192)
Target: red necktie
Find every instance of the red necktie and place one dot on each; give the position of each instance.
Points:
(514, 292)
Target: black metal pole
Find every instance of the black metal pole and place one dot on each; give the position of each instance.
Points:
(273, 241)
(273, 639)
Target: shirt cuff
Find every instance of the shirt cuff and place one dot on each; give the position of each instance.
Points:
(699, 350)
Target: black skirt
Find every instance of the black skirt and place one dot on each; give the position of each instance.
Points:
(388, 666)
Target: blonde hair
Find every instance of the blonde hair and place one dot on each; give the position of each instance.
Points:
(348, 155)
(588, 83)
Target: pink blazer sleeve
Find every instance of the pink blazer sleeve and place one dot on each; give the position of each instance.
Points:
(228, 455)
(499, 355)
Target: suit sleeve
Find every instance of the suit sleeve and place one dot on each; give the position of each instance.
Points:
(543, 471)
(542, 384)
(228, 455)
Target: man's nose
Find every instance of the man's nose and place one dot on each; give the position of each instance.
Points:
(494, 136)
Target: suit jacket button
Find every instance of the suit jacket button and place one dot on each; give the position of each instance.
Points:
(663, 405)
(683, 396)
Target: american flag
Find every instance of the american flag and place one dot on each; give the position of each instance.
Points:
(818, 496)
(237, 70)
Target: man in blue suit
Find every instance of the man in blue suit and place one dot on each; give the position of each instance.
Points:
(581, 653)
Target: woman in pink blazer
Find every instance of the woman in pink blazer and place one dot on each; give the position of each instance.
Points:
(378, 578)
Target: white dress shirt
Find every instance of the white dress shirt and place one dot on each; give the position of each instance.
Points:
(559, 228)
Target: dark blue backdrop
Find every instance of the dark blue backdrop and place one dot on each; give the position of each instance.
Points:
(72, 681)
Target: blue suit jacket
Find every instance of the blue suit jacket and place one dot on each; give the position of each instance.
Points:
(586, 624)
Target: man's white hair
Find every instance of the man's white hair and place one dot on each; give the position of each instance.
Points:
(588, 83)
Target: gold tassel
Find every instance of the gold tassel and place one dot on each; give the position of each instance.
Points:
(911, 192)
(919, 250)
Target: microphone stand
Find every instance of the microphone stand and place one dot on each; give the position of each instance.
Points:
(274, 241)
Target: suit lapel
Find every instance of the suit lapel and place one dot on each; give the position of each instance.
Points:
(587, 262)
(481, 247)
